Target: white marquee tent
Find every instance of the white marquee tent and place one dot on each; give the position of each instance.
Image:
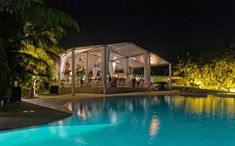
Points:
(110, 58)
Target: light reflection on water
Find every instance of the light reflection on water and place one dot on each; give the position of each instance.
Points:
(139, 121)
(154, 126)
(146, 112)
(210, 105)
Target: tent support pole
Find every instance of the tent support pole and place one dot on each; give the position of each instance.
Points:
(86, 64)
(147, 70)
(104, 68)
(127, 73)
(169, 79)
(59, 73)
(73, 72)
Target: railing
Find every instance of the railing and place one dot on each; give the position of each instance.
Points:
(98, 84)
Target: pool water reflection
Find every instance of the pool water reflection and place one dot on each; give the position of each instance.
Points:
(139, 121)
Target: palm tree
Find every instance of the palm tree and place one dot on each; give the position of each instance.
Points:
(38, 64)
(31, 22)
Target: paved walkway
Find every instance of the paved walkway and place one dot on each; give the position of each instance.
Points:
(23, 114)
(50, 108)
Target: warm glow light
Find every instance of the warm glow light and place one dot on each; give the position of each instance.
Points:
(113, 117)
(69, 106)
(133, 58)
(28, 111)
(198, 82)
(211, 105)
(232, 90)
(154, 126)
(82, 111)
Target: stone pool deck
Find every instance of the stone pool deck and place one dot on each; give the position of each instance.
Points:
(24, 114)
(49, 108)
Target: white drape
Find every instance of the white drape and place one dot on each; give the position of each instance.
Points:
(125, 67)
(112, 68)
(91, 62)
(107, 57)
(95, 70)
(140, 58)
(62, 66)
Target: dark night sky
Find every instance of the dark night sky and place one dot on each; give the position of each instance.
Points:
(165, 27)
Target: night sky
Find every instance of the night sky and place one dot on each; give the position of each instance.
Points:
(166, 27)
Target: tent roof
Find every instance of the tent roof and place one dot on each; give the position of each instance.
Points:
(119, 51)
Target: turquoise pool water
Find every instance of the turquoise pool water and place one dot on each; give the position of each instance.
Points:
(136, 121)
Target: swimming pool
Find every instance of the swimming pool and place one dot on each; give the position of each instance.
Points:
(137, 121)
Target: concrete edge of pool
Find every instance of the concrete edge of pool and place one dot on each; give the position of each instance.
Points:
(50, 108)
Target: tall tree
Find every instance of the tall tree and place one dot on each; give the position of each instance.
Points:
(26, 22)
(212, 68)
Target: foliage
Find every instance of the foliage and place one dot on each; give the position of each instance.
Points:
(214, 68)
(37, 63)
(29, 35)
(80, 71)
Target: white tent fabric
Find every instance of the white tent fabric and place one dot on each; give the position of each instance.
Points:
(62, 63)
(120, 51)
(120, 56)
(112, 68)
(107, 57)
(91, 62)
(95, 70)
(125, 66)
